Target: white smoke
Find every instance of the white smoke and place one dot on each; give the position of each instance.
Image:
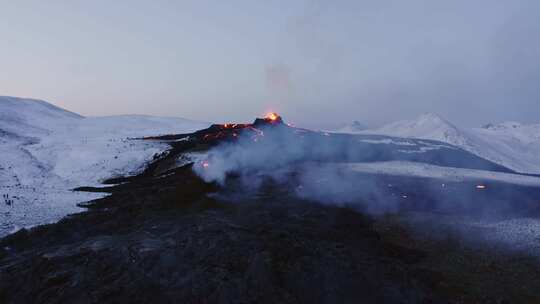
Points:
(302, 161)
(264, 154)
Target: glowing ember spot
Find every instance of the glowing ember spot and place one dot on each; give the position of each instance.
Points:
(205, 164)
(481, 187)
(272, 116)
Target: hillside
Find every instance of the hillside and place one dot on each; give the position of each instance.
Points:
(510, 144)
(46, 151)
(31, 117)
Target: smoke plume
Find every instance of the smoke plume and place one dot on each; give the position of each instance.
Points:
(301, 161)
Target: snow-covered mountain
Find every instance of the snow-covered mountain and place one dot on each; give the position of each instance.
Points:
(46, 151)
(31, 117)
(427, 126)
(510, 144)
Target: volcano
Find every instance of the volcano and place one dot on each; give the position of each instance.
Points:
(229, 131)
(335, 147)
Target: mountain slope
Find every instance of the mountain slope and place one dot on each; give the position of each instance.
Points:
(29, 117)
(512, 143)
(509, 144)
(427, 126)
(46, 151)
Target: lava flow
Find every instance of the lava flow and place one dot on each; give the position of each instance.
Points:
(232, 131)
(218, 133)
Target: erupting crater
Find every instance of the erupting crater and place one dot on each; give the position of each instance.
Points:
(232, 131)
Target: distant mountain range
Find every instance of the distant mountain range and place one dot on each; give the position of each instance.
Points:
(510, 144)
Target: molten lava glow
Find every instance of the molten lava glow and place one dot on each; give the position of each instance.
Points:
(272, 116)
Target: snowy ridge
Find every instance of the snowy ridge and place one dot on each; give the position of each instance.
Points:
(31, 117)
(46, 151)
(511, 144)
(427, 126)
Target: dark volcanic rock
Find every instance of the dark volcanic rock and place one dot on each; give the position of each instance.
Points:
(167, 242)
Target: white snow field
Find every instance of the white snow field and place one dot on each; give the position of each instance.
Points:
(406, 168)
(511, 144)
(520, 234)
(46, 151)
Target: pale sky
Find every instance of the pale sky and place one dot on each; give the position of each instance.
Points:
(317, 63)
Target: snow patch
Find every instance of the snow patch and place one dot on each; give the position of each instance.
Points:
(404, 168)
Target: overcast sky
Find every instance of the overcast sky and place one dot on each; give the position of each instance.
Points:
(317, 63)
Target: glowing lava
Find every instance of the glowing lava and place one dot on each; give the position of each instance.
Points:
(272, 116)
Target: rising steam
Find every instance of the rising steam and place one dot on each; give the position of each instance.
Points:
(309, 163)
